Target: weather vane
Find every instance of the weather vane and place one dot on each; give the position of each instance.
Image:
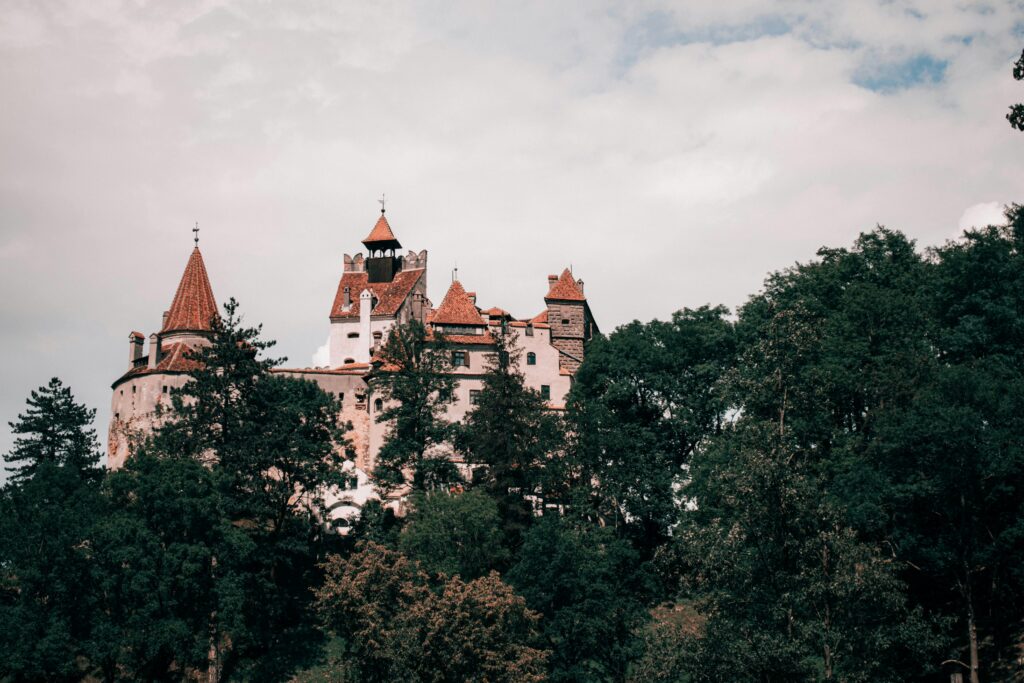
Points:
(195, 232)
(381, 200)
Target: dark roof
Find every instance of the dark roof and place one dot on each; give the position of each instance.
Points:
(193, 306)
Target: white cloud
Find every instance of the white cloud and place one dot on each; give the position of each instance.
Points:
(322, 355)
(982, 215)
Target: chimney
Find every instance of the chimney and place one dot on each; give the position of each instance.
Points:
(135, 342)
(580, 283)
(154, 350)
(164, 323)
(348, 298)
(472, 297)
(552, 279)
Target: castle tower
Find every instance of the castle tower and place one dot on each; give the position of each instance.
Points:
(375, 293)
(569, 317)
(152, 378)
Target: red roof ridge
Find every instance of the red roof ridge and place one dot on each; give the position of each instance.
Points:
(193, 306)
(566, 288)
(457, 308)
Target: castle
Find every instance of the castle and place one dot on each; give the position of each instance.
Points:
(375, 293)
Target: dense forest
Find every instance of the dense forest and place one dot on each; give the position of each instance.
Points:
(826, 486)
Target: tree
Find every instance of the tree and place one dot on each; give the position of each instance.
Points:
(396, 628)
(416, 384)
(46, 512)
(454, 534)
(512, 432)
(273, 444)
(54, 429)
(589, 585)
(643, 401)
(1016, 115)
(788, 591)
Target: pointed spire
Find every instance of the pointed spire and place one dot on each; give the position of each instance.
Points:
(457, 308)
(565, 288)
(193, 305)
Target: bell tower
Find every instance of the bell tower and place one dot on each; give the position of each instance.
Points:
(382, 262)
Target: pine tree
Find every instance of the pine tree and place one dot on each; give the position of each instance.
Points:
(54, 430)
(415, 381)
(513, 433)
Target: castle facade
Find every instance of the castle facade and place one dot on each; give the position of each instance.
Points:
(376, 292)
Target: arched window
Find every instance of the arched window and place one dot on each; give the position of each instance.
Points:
(531, 358)
(378, 405)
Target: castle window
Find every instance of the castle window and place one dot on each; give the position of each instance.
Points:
(460, 359)
(122, 392)
(529, 330)
(117, 416)
(531, 358)
(165, 388)
(474, 397)
(565, 321)
(341, 396)
(378, 405)
(545, 392)
(349, 360)
(133, 388)
(353, 335)
(377, 335)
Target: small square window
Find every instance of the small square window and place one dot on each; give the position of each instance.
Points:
(474, 397)
(545, 392)
(459, 359)
(565, 321)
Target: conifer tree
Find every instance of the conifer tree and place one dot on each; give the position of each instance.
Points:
(512, 433)
(46, 513)
(415, 382)
(53, 430)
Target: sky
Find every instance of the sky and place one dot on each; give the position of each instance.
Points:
(673, 154)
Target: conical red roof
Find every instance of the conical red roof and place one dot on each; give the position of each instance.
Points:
(381, 234)
(193, 306)
(566, 289)
(457, 308)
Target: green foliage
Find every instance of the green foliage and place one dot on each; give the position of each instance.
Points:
(46, 511)
(396, 627)
(272, 444)
(644, 399)
(511, 432)
(1016, 114)
(416, 384)
(454, 534)
(589, 585)
(53, 429)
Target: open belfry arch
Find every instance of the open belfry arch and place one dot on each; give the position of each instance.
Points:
(375, 292)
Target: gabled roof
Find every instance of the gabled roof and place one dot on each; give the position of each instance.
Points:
(566, 289)
(381, 235)
(193, 306)
(457, 308)
(390, 295)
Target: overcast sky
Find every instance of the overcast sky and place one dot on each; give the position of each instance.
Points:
(672, 153)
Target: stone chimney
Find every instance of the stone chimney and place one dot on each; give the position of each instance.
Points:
(348, 298)
(472, 297)
(580, 283)
(552, 279)
(135, 342)
(154, 350)
(163, 323)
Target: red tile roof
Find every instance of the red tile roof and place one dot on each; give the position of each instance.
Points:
(193, 306)
(541, 317)
(566, 289)
(174, 360)
(381, 233)
(457, 308)
(390, 295)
